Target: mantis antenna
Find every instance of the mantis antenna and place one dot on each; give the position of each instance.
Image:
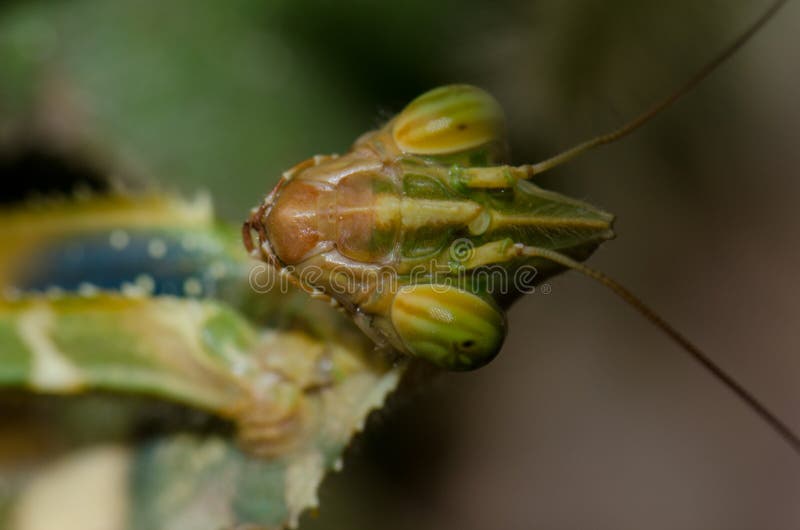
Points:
(531, 169)
(696, 353)
(655, 110)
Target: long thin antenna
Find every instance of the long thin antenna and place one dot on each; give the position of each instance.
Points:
(696, 353)
(696, 79)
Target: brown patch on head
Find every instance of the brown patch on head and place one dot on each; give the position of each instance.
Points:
(292, 224)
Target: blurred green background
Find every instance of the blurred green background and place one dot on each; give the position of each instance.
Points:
(589, 418)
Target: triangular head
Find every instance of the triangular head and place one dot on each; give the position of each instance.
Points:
(422, 231)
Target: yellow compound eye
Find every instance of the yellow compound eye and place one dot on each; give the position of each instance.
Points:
(447, 120)
(447, 326)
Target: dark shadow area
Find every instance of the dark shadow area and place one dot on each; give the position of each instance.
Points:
(33, 171)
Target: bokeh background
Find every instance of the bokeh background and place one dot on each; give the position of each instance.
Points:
(589, 418)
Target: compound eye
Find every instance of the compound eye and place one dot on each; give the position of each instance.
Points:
(448, 120)
(447, 326)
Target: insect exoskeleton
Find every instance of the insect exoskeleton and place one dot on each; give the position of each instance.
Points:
(421, 231)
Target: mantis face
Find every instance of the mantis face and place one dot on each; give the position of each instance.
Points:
(421, 232)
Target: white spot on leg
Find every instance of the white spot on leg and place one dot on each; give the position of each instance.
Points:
(131, 290)
(157, 248)
(87, 289)
(146, 283)
(51, 369)
(192, 287)
(119, 239)
(189, 243)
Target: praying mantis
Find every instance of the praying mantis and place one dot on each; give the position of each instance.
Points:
(493, 325)
(399, 198)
